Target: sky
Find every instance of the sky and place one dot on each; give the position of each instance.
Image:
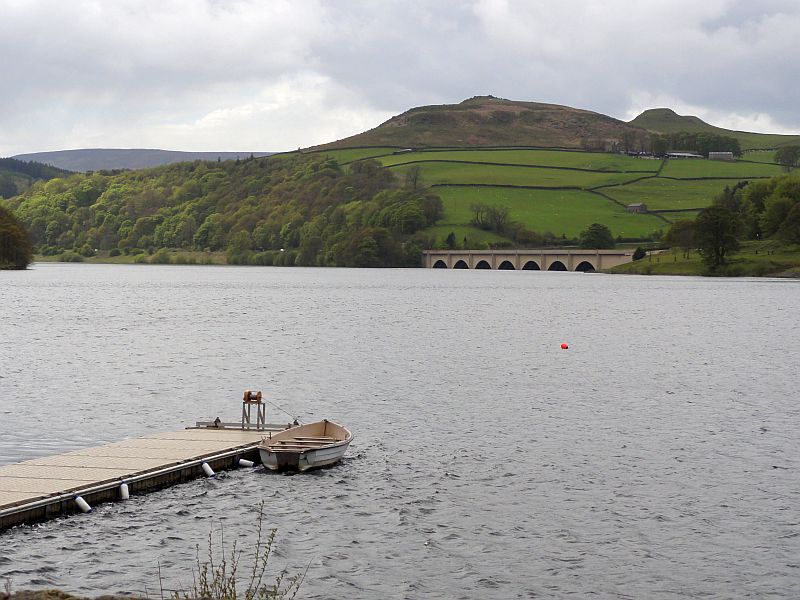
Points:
(275, 75)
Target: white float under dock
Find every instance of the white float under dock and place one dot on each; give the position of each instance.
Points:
(43, 488)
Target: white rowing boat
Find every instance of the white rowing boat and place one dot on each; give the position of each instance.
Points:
(305, 447)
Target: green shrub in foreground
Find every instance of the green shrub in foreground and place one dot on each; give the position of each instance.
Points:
(219, 577)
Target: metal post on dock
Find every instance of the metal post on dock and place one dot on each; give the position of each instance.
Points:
(250, 399)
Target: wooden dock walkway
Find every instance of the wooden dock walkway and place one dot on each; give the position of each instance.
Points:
(42, 488)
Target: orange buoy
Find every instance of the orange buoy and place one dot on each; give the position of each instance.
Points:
(564, 346)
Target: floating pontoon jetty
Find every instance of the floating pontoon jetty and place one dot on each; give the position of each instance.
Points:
(43, 488)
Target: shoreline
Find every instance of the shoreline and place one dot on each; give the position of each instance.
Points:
(754, 259)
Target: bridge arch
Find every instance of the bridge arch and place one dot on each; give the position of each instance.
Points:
(440, 264)
(585, 267)
(507, 265)
(528, 259)
(531, 265)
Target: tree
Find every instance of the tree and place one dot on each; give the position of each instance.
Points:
(681, 235)
(413, 177)
(717, 232)
(497, 218)
(490, 218)
(7, 186)
(239, 249)
(16, 251)
(788, 156)
(479, 211)
(628, 139)
(639, 253)
(659, 144)
(789, 230)
(776, 209)
(596, 236)
(450, 240)
(433, 207)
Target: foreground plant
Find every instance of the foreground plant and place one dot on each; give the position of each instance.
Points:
(219, 578)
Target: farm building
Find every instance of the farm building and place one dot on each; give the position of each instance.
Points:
(720, 155)
(683, 155)
(637, 207)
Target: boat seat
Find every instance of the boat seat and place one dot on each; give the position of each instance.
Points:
(311, 438)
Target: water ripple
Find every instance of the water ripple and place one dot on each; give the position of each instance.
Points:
(655, 458)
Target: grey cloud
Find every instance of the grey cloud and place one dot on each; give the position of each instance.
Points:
(86, 72)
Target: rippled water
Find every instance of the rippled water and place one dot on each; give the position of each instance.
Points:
(656, 458)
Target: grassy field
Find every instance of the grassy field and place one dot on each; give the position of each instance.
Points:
(678, 189)
(459, 172)
(476, 238)
(760, 156)
(755, 259)
(566, 212)
(349, 155)
(668, 194)
(697, 167)
(597, 161)
(677, 215)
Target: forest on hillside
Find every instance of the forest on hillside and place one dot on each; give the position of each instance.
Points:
(17, 175)
(291, 209)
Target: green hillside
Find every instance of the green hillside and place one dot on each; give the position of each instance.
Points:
(488, 171)
(560, 212)
(288, 210)
(665, 120)
(563, 191)
(524, 155)
(17, 176)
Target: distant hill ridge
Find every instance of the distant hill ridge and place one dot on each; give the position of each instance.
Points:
(666, 120)
(96, 159)
(488, 121)
(485, 121)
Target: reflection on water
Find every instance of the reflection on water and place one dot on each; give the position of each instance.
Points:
(657, 457)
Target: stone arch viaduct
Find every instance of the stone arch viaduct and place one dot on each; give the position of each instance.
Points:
(544, 259)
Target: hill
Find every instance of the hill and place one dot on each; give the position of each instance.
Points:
(97, 159)
(16, 175)
(287, 209)
(562, 192)
(486, 121)
(666, 120)
(490, 121)
(356, 203)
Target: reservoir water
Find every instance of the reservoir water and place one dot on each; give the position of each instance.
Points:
(657, 457)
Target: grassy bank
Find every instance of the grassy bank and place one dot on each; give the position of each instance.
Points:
(755, 259)
(175, 257)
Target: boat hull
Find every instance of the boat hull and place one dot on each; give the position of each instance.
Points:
(305, 447)
(286, 460)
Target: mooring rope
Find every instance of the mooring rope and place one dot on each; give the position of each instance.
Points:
(273, 405)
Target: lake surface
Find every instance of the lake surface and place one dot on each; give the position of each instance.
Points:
(657, 457)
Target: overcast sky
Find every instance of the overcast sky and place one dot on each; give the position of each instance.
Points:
(249, 75)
